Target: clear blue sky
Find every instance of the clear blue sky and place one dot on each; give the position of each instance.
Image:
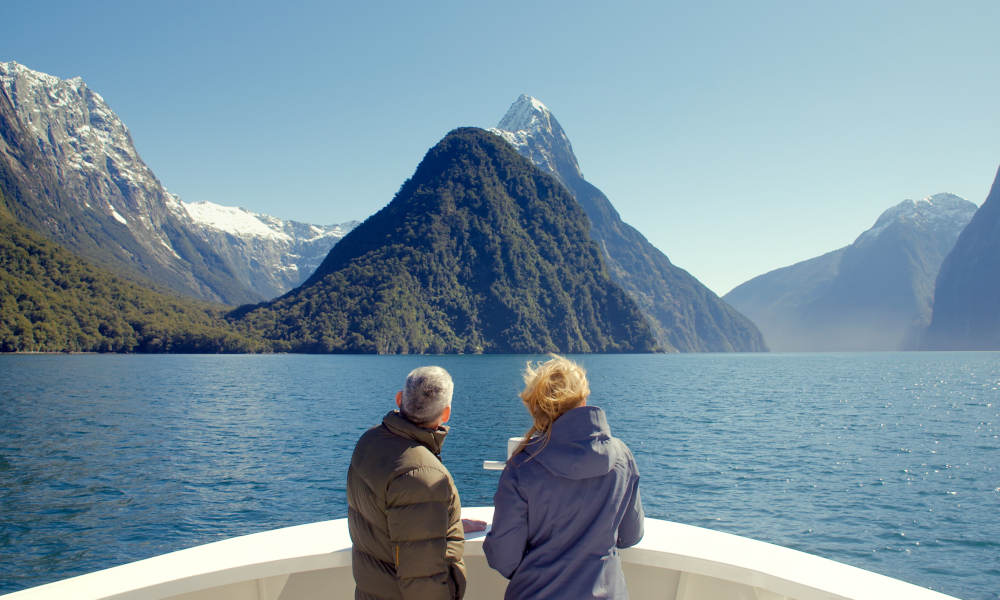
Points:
(739, 137)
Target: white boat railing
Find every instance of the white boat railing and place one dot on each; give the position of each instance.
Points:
(672, 562)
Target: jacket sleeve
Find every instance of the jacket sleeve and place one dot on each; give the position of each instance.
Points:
(508, 537)
(631, 529)
(427, 549)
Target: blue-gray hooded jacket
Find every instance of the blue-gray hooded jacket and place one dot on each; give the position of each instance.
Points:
(563, 510)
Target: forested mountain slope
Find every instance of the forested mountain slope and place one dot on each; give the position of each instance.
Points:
(480, 251)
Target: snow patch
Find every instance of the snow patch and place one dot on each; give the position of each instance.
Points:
(169, 248)
(236, 221)
(174, 204)
(332, 231)
(117, 216)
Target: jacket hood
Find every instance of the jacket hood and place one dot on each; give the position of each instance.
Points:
(403, 427)
(581, 445)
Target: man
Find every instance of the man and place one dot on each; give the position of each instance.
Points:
(403, 509)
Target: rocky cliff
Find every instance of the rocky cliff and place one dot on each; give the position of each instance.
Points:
(967, 293)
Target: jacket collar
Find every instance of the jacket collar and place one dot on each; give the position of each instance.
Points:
(401, 426)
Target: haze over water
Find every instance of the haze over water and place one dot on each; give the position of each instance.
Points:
(884, 461)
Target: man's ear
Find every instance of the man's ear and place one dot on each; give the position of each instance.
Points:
(445, 414)
(399, 398)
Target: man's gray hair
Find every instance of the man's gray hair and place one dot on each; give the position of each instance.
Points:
(427, 393)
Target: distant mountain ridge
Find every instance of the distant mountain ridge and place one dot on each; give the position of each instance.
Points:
(967, 292)
(683, 314)
(271, 255)
(876, 294)
(71, 171)
(480, 251)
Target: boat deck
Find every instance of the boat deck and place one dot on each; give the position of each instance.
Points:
(672, 562)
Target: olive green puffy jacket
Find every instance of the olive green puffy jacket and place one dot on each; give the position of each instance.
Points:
(404, 515)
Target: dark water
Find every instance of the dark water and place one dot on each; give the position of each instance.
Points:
(890, 462)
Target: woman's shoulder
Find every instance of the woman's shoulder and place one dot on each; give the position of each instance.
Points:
(621, 443)
(624, 453)
(528, 462)
(520, 460)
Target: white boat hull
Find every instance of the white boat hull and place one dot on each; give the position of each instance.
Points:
(672, 562)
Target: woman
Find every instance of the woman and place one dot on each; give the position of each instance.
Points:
(568, 497)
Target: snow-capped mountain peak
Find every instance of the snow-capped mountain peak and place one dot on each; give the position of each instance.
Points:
(936, 212)
(275, 254)
(242, 223)
(531, 128)
(527, 114)
(945, 201)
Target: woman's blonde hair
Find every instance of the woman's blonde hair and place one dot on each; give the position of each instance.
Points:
(550, 389)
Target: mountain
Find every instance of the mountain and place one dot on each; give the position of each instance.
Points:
(270, 256)
(683, 314)
(876, 294)
(967, 293)
(53, 301)
(479, 251)
(70, 170)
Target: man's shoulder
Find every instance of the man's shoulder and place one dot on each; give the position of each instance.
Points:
(381, 440)
(369, 437)
(395, 452)
(420, 477)
(373, 431)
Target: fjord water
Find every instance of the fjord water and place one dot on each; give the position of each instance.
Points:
(886, 461)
